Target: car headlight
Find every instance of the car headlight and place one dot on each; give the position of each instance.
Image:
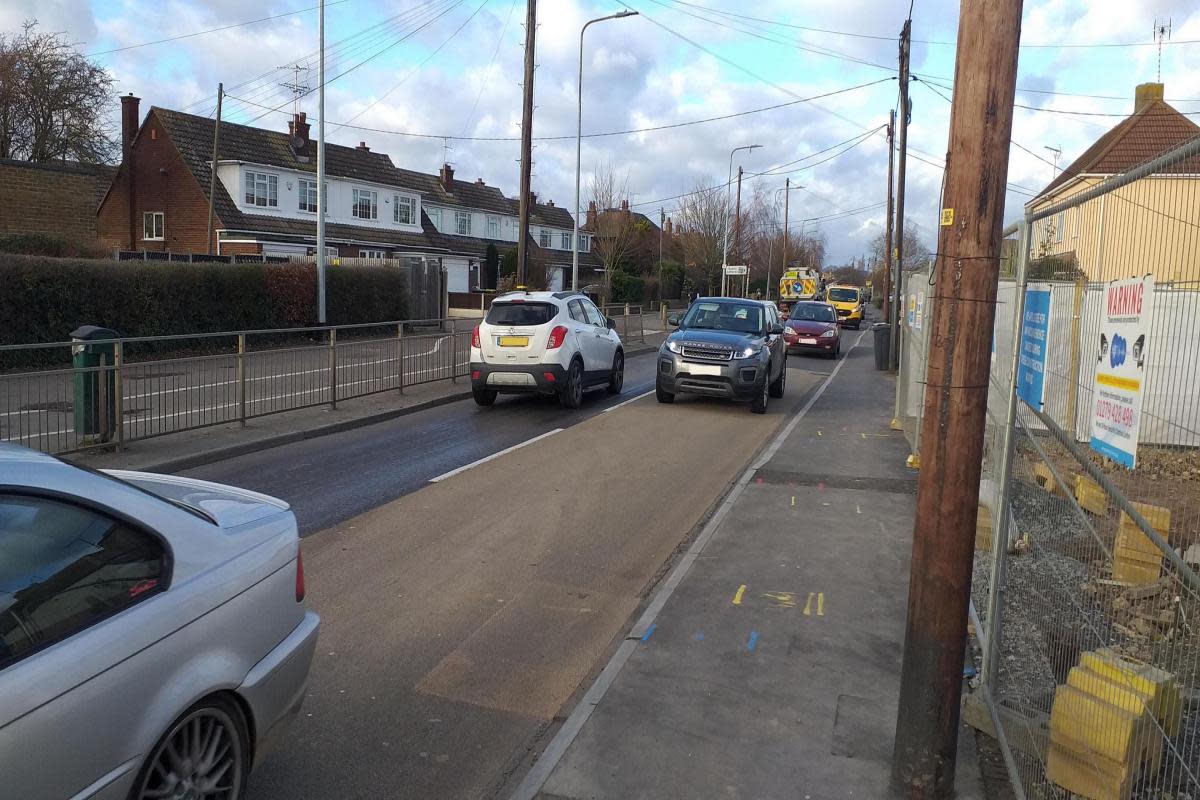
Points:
(749, 351)
(829, 334)
(674, 346)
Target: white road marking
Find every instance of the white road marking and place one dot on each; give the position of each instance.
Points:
(540, 772)
(494, 456)
(627, 402)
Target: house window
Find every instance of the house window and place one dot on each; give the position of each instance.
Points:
(372, 254)
(585, 243)
(1058, 226)
(366, 204)
(405, 210)
(462, 222)
(493, 227)
(262, 189)
(308, 195)
(152, 226)
(544, 237)
(473, 274)
(435, 217)
(564, 241)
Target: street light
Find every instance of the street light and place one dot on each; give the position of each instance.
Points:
(579, 143)
(787, 187)
(728, 184)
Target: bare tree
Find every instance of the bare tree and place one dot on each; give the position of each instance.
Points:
(54, 103)
(916, 252)
(613, 231)
(702, 216)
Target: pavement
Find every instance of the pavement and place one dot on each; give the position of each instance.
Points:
(767, 664)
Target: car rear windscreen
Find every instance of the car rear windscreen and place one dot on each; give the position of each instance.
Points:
(521, 313)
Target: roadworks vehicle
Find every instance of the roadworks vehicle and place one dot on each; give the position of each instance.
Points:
(796, 285)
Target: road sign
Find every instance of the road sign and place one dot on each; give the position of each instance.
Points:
(1121, 356)
(1035, 339)
(731, 269)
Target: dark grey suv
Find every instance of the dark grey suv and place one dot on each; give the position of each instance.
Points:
(725, 347)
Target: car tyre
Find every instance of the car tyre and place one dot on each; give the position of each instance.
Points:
(780, 383)
(616, 379)
(484, 397)
(206, 750)
(759, 404)
(571, 394)
(662, 395)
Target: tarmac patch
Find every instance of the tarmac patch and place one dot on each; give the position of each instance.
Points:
(856, 729)
(780, 477)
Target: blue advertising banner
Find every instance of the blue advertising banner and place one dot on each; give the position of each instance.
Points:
(1035, 338)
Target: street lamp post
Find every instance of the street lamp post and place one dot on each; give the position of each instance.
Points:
(728, 185)
(579, 143)
(787, 187)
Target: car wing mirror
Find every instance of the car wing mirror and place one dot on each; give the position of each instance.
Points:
(612, 323)
(776, 329)
(673, 320)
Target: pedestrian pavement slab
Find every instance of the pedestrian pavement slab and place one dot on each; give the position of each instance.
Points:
(773, 669)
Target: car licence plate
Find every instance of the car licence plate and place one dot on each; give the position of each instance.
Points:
(704, 369)
(805, 340)
(513, 341)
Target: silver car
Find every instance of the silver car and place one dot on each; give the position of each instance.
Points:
(153, 636)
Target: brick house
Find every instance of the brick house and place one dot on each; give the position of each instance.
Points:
(58, 198)
(265, 198)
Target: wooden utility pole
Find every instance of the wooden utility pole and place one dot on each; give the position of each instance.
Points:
(212, 184)
(968, 259)
(905, 113)
(526, 142)
(737, 220)
(887, 236)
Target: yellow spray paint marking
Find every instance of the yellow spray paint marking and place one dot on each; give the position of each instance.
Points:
(858, 508)
(820, 604)
(737, 597)
(793, 500)
(808, 605)
(818, 433)
(877, 435)
(782, 599)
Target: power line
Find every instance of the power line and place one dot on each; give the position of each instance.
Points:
(600, 134)
(488, 71)
(211, 30)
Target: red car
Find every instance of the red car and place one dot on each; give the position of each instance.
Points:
(813, 327)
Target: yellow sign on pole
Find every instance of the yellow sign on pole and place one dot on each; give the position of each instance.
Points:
(947, 217)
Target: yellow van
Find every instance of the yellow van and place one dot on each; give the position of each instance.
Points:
(848, 300)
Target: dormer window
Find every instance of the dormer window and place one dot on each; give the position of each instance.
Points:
(404, 210)
(366, 204)
(262, 189)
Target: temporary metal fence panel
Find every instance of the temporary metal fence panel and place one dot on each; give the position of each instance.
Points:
(916, 314)
(163, 385)
(1086, 571)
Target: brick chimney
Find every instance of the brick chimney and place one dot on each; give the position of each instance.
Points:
(479, 182)
(532, 199)
(591, 214)
(447, 175)
(625, 209)
(363, 147)
(1145, 94)
(298, 134)
(550, 203)
(129, 129)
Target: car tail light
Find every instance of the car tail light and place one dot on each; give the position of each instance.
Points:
(557, 337)
(475, 337)
(299, 577)
(475, 374)
(549, 376)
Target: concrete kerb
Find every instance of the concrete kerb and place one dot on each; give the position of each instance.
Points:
(541, 770)
(215, 454)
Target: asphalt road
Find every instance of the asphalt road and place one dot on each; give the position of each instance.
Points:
(459, 617)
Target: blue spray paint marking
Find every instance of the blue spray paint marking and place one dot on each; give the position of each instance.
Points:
(698, 636)
(649, 631)
(750, 645)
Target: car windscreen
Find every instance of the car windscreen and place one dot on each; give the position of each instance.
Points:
(843, 295)
(521, 313)
(725, 316)
(813, 312)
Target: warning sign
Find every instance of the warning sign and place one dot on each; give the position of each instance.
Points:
(1121, 357)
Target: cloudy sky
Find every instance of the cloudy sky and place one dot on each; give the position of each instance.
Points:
(451, 68)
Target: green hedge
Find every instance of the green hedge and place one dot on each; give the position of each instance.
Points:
(48, 244)
(44, 299)
(627, 288)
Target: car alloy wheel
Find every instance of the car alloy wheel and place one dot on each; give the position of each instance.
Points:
(759, 404)
(617, 379)
(201, 758)
(572, 393)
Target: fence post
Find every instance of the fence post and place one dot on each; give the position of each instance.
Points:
(400, 348)
(1000, 539)
(1073, 371)
(119, 400)
(333, 367)
(453, 354)
(641, 326)
(241, 378)
(662, 314)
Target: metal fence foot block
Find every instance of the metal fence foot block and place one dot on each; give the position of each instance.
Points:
(895, 424)
(913, 461)
(1090, 496)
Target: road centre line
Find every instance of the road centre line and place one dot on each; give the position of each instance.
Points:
(540, 772)
(627, 402)
(494, 456)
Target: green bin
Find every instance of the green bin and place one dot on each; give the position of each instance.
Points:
(93, 356)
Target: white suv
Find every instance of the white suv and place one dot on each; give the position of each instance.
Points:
(546, 342)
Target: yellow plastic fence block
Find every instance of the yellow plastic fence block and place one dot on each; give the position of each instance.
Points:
(1159, 685)
(1090, 496)
(1134, 568)
(1094, 728)
(1088, 776)
(1045, 479)
(984, 529)
(1126, 697)
(1130, 535)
